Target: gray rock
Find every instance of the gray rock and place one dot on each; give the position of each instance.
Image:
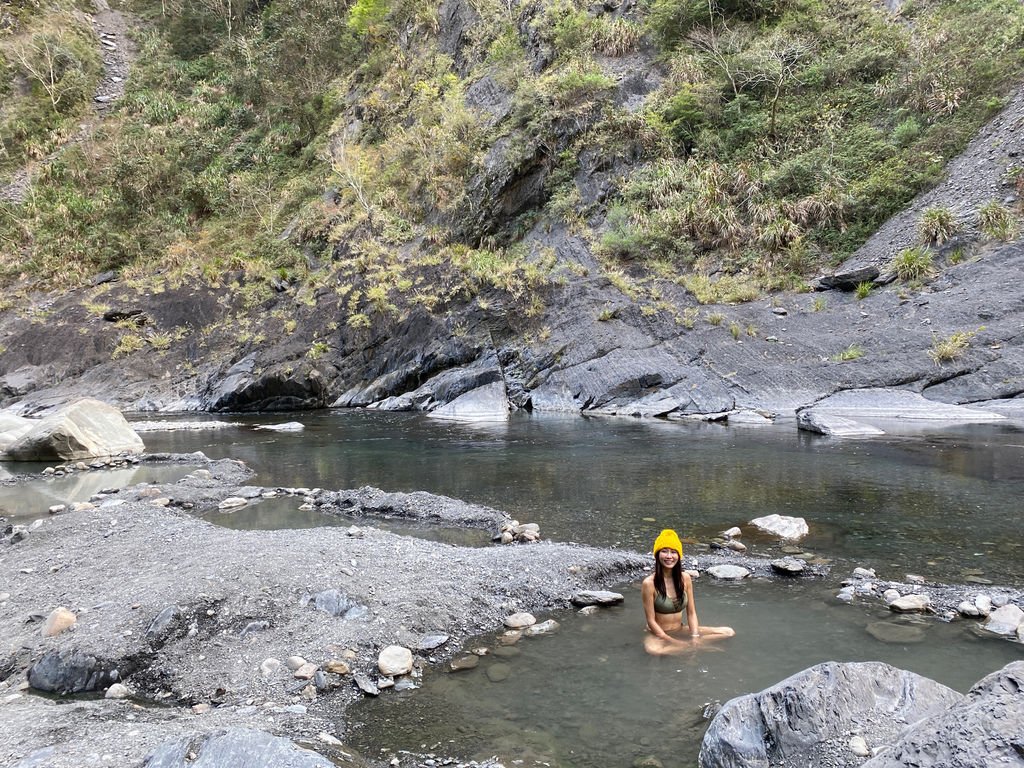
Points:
(1005, 620)
(848, 278)
(486, 403)
(543, 628)
(85, 429)
(70, 671)
(499, 672)
(597, 597)
(792, 723)
(809, 420)
(520, 620)
(432, 641)
(910, 604)
(983, 728)
(895, 404)
(896, 633)
(365, 684)
(237, 747)
(789, 566)
(464, 662)
(728, 572)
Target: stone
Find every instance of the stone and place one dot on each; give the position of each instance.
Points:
(337, 667)
(269, 666)
(913, 578)
(498, 672)
(432, 641)
(900, 404)
(507, 651)
(294, 662)
(511, 637)
(830, 425)
(395, 660)
(865, 573)
(789, 566)
(786, 723)
(328, 739)
(728, 572)
(846, 594)
(543, 628)
(890, 595)
(910, 604)
(56, 509)
(71, 671)
(859, 746)
(782, 526)
(980, 729)
(464, 662)
(201, 708)
(849, 278)
(520, 620)
(288, 426)
(117, 691)
(365, 684)
(233, 747)
(232, 502)
(59, 620)
(486, 403)
(1005, 620)
(732, 532)
(597, 597)
(84, 429)
(588, 610)
(968, 609)
(896, 633)
(305, 672)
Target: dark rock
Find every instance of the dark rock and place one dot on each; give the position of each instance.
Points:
(237, 747)
(333, 602)
(806, 718)
(70, 671)
(137, 316)
(850, 277)
(487, 96)
(104, 277)
(365, 684)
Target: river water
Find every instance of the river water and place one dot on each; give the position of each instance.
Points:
(943, 504)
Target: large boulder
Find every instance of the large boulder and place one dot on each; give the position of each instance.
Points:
(71, 671)
(235, 747)
(807, 719)
(83, 430)
(11, 428)
(985, 728)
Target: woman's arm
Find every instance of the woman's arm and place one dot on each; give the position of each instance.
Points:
(691, 607)
(647, 594)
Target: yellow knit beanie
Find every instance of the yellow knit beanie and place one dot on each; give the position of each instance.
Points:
(668, 539)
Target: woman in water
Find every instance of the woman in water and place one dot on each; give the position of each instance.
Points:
(668, 594)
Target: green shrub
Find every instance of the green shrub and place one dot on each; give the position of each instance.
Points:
(937, 225)
(912, 264)
(996, 221)
(863, 290)
(906, 132)
(948, 348)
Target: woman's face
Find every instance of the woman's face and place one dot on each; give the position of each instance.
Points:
(668, 557)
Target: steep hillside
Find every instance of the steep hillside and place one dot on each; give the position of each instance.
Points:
(615, 207)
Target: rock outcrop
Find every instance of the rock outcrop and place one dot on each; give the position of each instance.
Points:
(86, 429)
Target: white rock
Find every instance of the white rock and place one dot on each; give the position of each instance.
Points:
(782, 526)
(520, 620)
(4, 597)
(270, 666)
(910, 603)
(810, 420)
(984, 603)
(967, 608)
(486, 403)
(294, 662)
(913, 578)
(845, 594)
(288, 426)
(543, 628)
(231, 502)
(56, 509)
(1005, 620)
(890, 594)
(117, 691)
(859, 746)
(395, 660)
(732, 532)
(59, 620)
(728, 572)
(327, 738)
(864, 573)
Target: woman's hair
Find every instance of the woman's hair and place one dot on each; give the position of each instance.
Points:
(677, 576)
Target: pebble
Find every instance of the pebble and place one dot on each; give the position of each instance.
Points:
(890, 594)
(845, 595)
(394, 660)
(511, 637)
(294, 662)
(543, 628)
(499, 672)
(4, 597)
(59, 620)
(588, 610)
(913, 578)
(859, 746)
(520, 620)
(736, 546)
(231, 502)
(983, 604)
(305, 672)
(336, 667)
(728, 572)
(201, 708)
(864, 573)
(117, 691)
(56, 509)
(463, 663)
(910, 604)
(732, 532)
(327, 738)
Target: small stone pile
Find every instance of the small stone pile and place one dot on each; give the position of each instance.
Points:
(70, 467)
(514, 532)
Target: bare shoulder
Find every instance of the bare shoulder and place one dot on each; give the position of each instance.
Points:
(648, 583)
(687, 580)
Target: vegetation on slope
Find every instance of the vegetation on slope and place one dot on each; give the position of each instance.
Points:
(778, 135)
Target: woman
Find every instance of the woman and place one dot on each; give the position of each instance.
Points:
(667, 594)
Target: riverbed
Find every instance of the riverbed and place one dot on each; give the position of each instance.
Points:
(940, 504)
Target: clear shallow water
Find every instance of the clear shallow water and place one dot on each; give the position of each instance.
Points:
(589, 697)
(933, 504)
(938, 504)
